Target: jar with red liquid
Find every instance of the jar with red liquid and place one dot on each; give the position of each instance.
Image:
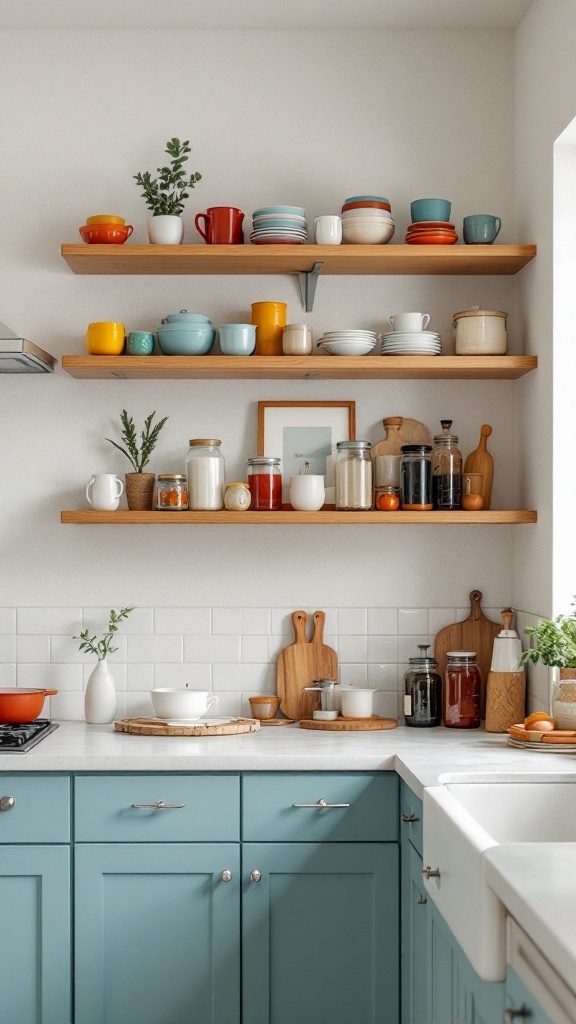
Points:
(461, 703)
(265, 482)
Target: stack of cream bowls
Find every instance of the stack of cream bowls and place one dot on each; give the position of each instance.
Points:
(347, 343)
(367, 220)
(411, 343)
(273, 225)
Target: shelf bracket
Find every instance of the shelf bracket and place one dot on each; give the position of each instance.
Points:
(308, 282)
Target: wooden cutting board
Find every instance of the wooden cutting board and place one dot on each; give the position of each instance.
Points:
(300, 664)
(351, 724)
(152, 727)
(476, 633)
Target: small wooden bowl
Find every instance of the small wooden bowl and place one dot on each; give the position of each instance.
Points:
(264, 707)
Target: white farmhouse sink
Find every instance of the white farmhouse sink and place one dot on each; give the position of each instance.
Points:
(461, 821)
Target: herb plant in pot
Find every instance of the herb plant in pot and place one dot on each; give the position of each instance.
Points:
(139, 485)
(100, 695)
(555, 645)
(165, 195)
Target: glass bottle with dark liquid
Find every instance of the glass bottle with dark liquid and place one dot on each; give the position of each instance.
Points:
(446, 470)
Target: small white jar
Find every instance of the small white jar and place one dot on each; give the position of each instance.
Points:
(480, 332)
(297, 340)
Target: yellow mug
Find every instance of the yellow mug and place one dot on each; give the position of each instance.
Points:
(105, 218)
(105, 338)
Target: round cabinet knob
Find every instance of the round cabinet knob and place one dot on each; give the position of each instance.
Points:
(7, 803)
(226, 876)
(255, 876)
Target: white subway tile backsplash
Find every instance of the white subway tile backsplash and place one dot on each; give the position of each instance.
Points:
(197, 677)
(412, 621)
(182, 620)
(140, 620)
(65, 649)
(352, 621)
(384, 677)
(382, 648)
(440, 617)
(7, 648)
(7, 674)
(255, 620)
(139, 676)
(354, 675)
(67, 706)
(275, 645)
(258, 678)
(382, 620)
(32, 620)
(7, 620)
(211, 648)
(386, 704)
(52, 677)
(281, 621)
(153, 647)
(352, 648)
(254, 648)
(226, 676)
(226, 621)
(32, 648)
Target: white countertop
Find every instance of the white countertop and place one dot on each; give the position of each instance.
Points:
(421, 757)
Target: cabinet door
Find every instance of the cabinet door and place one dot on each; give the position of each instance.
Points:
(157, 934)
(519, 999)
(35, 935)
(414, 944)
(320, 933)
(444, 994)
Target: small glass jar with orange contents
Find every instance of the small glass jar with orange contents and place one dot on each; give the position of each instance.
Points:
(172, 493)
(461, 699)
(386, 499)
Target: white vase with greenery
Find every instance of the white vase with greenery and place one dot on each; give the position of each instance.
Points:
(100, 695)
(165, 195)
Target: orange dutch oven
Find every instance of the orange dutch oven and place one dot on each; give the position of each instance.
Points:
(21, 705)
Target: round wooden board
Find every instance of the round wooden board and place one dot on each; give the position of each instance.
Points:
(149, 727)
(350, 724)
(276, 721)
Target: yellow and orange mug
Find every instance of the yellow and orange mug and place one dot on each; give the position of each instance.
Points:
(105, 338)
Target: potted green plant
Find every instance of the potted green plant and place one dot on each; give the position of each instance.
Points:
(100, 695)
(139, 485)
(165, 194)
(555, 645)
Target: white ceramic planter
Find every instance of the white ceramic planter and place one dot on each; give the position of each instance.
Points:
(100, 696)
(165, 230)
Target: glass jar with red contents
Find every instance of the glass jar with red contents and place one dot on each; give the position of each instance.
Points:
(265, 482)
(461, 703)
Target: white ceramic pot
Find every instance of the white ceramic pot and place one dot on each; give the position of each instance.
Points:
(181, 704)
(307, 492)
(100, 696)
(356, 702)
(165, 230)
(480, 332)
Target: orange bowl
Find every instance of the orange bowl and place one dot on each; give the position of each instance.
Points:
(105, 218)
(366, 204)
(105, 234)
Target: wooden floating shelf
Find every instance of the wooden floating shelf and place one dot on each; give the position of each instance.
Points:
(326, 517)
(299, 367)
(295, 259)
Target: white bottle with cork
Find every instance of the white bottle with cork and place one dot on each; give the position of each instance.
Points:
(205, 474)
(506, 683)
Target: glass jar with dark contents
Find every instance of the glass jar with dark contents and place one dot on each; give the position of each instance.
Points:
(416, 477)
(446, 469)
(461, 702)
(422, 691)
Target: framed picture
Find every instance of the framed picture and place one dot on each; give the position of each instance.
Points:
(300, 432)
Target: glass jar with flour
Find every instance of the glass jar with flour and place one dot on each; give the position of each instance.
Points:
(205, 473)
(353, 476)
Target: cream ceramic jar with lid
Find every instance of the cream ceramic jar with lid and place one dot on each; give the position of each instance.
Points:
(480, 332)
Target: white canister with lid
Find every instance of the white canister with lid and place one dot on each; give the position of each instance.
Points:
(480, 332)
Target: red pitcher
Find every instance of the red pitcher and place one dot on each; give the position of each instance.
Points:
(222, 225)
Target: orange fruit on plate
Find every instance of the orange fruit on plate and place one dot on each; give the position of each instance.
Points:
(539, 721)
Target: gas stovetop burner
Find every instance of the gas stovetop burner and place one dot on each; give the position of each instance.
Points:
(17, 739)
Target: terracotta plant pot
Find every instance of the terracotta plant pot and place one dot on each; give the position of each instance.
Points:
(140, 491)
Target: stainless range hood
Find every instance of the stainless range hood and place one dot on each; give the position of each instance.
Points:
(20, 356)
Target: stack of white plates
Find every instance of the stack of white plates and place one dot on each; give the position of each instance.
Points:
(274, 225)
(347, 343)
(411, 343)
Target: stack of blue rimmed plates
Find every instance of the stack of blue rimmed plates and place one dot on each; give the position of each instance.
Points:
(274, 225)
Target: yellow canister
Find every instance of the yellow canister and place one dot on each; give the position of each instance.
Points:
(105, 338)
(270, 320)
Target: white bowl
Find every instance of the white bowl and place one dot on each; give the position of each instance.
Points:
(360, 232)
(347, 348)
(189, 704)
(366, 215)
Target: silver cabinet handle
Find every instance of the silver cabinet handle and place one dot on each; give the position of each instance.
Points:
(226, 876)
(321, 804)
(255, 875)
(421, 900)
(511, 1015)
(159, 806)
(408, 818)
(7, 803)
(429, 873)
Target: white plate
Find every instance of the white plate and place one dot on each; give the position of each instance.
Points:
(349, 334)
(549, 748)
(411, 344)
(411, 335)
(411, 348)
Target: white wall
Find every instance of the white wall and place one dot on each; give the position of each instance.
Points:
(304, 118)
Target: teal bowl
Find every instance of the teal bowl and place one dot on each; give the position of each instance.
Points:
(182, 340)
(430, 209)
(237, 339)
(366, 199)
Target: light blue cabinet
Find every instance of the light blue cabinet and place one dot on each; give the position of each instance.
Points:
(414, 917)
(320, 933)
(157, 933)
(521, 1004)
(35, 935)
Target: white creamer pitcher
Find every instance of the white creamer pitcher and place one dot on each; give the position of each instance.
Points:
(104, 490)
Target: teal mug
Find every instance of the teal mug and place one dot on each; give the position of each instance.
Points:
(140, 343)
(481, 229)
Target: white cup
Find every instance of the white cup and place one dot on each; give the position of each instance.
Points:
(187, 705)
(356, 702)
(387, 470)
(297, 340)
(328, 230)
(410, 321)
(307, 492)
(104, 490)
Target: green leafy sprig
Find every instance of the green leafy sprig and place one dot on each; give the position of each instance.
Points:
(103, 646)
(166, 193)
(555, 641)
(138, 456)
